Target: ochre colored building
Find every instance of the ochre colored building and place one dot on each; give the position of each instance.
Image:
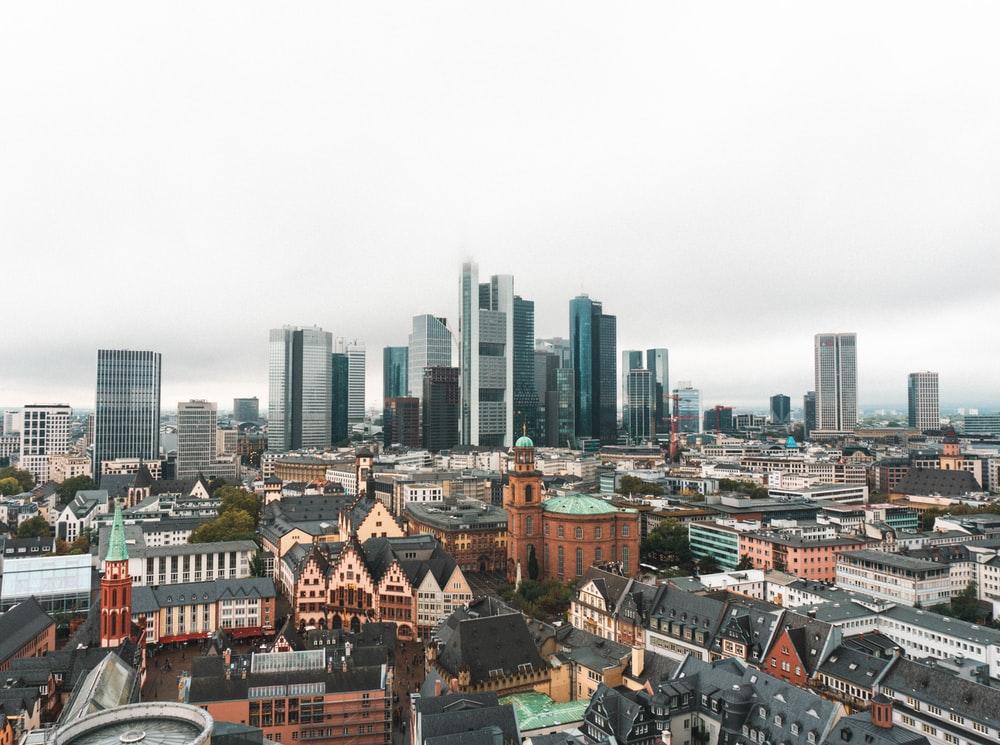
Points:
(566, 534)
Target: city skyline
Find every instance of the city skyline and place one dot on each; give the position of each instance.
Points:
(734, 174)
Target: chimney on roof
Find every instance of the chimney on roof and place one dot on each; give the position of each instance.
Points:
(637, 660)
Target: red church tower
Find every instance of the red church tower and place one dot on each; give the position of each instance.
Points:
(523, 501)
(116, 588)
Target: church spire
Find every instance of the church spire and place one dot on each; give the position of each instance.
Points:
(116, 541)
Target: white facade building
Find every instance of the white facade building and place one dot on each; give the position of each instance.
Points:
(836, 370)
(44, 432)
(356, 364)
(922, 394)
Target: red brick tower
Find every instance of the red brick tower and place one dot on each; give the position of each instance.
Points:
(522, 499)
(116, 588)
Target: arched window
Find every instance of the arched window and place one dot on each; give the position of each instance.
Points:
(529, 493)
(114, 624)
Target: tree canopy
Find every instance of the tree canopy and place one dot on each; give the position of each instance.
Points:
(25, 481)
(235, 498)
(68, 488)
(547, 599)
(34, 527)
(635, 485)
(231, 525)
(667, 545)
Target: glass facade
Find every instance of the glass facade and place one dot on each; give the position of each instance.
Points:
(707, 541)
(127, 411)
(440, 403)
(395, 372)
(639, 389)
(688, 409)
(430, 345)
(299, 389)
(809, 413)
(593, 342)
(196, 425)
(526, 401)
(658, 363)
(339, 394)
(781, 409)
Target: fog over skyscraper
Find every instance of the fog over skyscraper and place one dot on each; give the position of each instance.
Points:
(299, 400)
(127, 406)
(836, 368)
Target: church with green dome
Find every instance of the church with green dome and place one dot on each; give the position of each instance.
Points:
(564, 535)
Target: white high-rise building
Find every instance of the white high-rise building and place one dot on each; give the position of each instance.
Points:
(44, 432)
(924, 410)
(430, 345)
(300, 400)
(196, 424)
(355, 351)
(836, 382)
(486, 358)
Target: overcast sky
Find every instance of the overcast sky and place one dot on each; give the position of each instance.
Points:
(728, 178)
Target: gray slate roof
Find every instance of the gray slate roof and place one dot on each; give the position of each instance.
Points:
(21, 624)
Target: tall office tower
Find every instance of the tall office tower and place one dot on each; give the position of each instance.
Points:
(641, 391)
(401, 422)
(486, 358)
(546, 365)
(196, 423)
(631, 360)
(12, 422)
(557, 345)
(395, 372)
(808, 414)
(781, 409)
(441, 402)
(429, 346)
(719, 419)
(562, 420)
(299, 389)
(836, 382)
(127, 410)
(593, 341)
(339, 396)
(925, 413)
(355, 351)
(658, 363)
(526, 402)
(246, 409)
(44, 432)
(687, 408)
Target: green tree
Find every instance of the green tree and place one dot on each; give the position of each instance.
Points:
(35, 527)
(24, 479)
(258, 568)
(9, 485)
(532, 562)
(745, 563)
(235, 498)
(231, 525)
(667, 545)
(68, 488)
(77, 548)
(215, 483)
(635, 485)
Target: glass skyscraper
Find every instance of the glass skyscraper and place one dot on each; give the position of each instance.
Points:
(430, 345)
(395, 372)
(808, 414)
(486, 358)
(299, 389)
(922, 394)
(127, 412)
(593, 342)
(525, 396)
(356, 364)
(641, 406)
(339, 396)
(781, 409)
(196, 425)
(658, 363)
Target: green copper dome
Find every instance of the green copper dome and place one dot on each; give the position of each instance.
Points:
(116, 541)
(524, 442)
(579, 504)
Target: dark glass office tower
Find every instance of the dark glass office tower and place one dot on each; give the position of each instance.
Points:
(339, 379)
(546, 365)
(658, 363)
(781, 409)
(440, 402)
(127, 412)
(719, 419)
(526, 401)
(395, 370)
(246, 409)
(593, 343)
(809, 413)
(401, 422)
